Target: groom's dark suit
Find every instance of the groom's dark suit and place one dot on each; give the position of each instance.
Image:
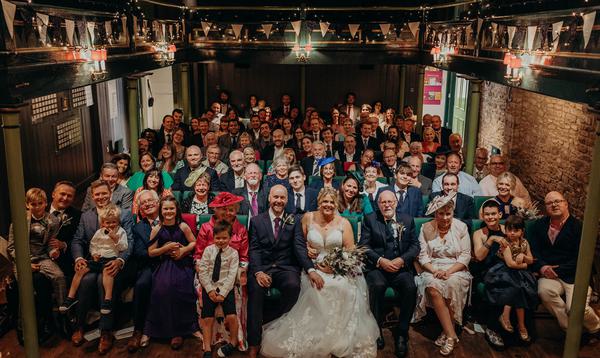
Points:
(282, 258)
(380, 242)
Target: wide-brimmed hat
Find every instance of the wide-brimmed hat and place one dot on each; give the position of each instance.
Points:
(439, 202)
(324, 161)
(225, 198)
(190, 181)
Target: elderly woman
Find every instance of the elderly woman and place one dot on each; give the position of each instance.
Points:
(123, 163)
(147, 162)
(416, 150)
(326, 180)
(280, 176)
(153, 180)
(444, 259)
(429, 143)
(350, 198)
(506, 184)
(167, 159)
(226, 206)
(198, 203)
(250, 155)
(371, 185)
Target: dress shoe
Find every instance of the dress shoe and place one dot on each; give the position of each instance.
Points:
(134, 342)
(401, 346)
(176, 343)
(106, 342)
(380, 343)
(77, 338)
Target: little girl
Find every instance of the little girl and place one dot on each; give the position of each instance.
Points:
(508, 283)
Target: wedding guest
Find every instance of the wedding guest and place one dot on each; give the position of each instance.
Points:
(153, 180)
(167, 160)
(120, 195)
(409, 198)
(429, 143)
(326, 179)
(255, 196)
(280, 175)
(371, 185)
(418, 180)
(68, 217)
(250, 155)
(463, 204)
(481, 169)
(302, 198)
(234, 178)
(193, 157)
(178, 143)
(147, 162)
(350, 199)
(123, 162)
(198, 202)
(506, 184)
(468, 185)
(213, 161)
(497, 166)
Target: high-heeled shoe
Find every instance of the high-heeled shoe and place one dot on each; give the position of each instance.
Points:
(505, 324)
(524, 335)
(440, 340)
(448, 346)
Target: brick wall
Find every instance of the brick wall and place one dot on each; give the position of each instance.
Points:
(549, 141)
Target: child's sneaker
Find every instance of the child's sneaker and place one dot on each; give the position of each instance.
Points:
(226, 350)
(67, 304)
(106, 307)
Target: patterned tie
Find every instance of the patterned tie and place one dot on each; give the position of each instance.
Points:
(298, 201)
(254, 203)
(315, 171)
(277, 227)
(217, 269)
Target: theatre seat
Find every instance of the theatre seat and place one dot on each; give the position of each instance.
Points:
(418, 223)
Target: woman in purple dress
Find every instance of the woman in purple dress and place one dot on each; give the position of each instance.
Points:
(172, 312)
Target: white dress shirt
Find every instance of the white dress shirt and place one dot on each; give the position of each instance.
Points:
(272, 216)
(302, 197)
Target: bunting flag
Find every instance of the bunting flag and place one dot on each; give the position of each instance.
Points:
(205, 27)
(82, 32)
(124, 26)
(385, 28)
(267, 29)
(177, 26)
(588, 24)
(479, 24)
(42, 21)
(9, 16)
(144, 27)
(70, 26)
(353, 29)
(163, 29)
(170, 32)
(324, 28)
(511, 35)
(556, 28)
(90, 28)
(413, 26)
(108, 28)
(135, 27)
(237, 29)
(297, 25)
(531, 30)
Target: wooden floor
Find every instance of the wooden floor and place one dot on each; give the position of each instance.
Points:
(548, 344)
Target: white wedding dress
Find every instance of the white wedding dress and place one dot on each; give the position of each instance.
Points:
(335, 320)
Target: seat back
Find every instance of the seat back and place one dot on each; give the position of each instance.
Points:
(177, 194)
(261, 164)
(190, 220)
(418, 223)
(425, 200)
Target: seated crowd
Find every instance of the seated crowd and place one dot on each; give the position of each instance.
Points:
(185, 230)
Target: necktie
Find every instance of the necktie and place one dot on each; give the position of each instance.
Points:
(315, 136)
(217, 269)
(366, 141)
(254, 203)
(233, 142)
(401, 196)
(277, 227)
(298, 201)
(155, 222)
(349, 111)
(315, 168)
(169, 138)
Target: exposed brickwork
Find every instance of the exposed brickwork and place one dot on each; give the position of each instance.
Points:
(549, 141)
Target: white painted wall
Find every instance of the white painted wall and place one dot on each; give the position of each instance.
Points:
(161, 83)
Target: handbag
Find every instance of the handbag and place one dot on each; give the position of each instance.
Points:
(151, 98)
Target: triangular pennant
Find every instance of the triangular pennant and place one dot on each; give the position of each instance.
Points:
(144, 27)
(135, 27)
(90, 27)
(324, 27)
(353, 29)
(531, 30)
(124, 27)
(267, 29)
(82, 33)
(237, 29)
(177, 26)
(42, 21)
(588, 24)
(297, 25)
(511, 35)
(413, 26)
(9, 16)
(205, 27)
(70, 26)
(556, 28)
(108, 28)
(170, 32)
(479, 25)
(385, 28)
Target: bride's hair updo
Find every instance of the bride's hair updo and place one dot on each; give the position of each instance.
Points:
(331, 192)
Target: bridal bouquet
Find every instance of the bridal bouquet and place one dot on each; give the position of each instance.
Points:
(529, 211)
(345, 262)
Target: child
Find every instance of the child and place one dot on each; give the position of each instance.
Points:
(106, 245)
(217, 272)
(42, 228)
(508, 283)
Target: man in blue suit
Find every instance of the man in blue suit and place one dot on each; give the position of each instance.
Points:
(302, 198)
(409, 198)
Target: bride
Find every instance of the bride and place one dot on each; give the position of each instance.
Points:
(332, 319)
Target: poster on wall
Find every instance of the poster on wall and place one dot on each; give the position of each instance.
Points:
(432, 89)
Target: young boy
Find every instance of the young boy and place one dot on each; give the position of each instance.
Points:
(106, 245)
(217, 273)
(42, 227)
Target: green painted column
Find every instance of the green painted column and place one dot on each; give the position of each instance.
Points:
(585, 260)
(402, 88)
(420, 93)
(134, 121)
(184, 75)
(472, 130)
(11, 129)
(302, 88)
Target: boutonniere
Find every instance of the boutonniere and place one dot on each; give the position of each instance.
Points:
(399, 229)
(289, 219)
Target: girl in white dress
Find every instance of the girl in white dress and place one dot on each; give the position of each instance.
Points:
(335, 319)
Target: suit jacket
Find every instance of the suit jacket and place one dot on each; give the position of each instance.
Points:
(414, 137)
(563, 252)
(463, 206)
(335, 146)
(228, 180)
(268, 152)
(355, 111)
(89, 224)
(339, 155)
(287, 252)
(389, 172)
(141, 235)
(279, 111)
(373, 143)
(412, 204)
(121, 197)
(425, 184)
(310, 201)
(263, 200)
(225, 142)
(308, 163)
(182, 174)
(318, 184)
(70, 222)
(374, 234)
(445, 134)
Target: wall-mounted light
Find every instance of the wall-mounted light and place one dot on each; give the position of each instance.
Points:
(436, 53)
(164, 52)
(513, 69)
(302, 53)
(98, 58)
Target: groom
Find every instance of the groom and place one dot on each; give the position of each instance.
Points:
(278, 253)
(392, 246)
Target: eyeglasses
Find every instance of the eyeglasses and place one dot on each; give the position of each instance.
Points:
(497, 163)
(554, 202)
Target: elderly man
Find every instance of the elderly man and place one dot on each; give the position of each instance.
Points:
(481, 169)
(390, 163)
(193, 157)
(255, 198)
(456, 143)
(498, 165)
(442, 134)
(392, 246)
(419, 181)
(234, 178)
(121, 196)
(91, 287)
(463, 204)
(148, 203)
(213, 160)
(467, 184)
(555, 245)
(310, 165)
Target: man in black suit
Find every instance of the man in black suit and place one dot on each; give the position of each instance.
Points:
(409, 198)
(278, 254)
(390, 163)
(331, 146)
(229, 142)
(286, 106)
(302, 198)
(68, 216)
(177, 115)
(165, 134)
(365, 140)
(274, 149)
(254, 127)
(310, 165)
(349, 153)
(255, 198)
(234, 178)
(392, 246)
(463, 204)
(442, 134)
(193, 157)
(408, 133)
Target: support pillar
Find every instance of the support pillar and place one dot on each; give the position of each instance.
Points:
(11, 129)
(184, 80)
(472, 130)
(420, 93)
(133, 118)
(302, 88)
(402, 89)
(585, 259)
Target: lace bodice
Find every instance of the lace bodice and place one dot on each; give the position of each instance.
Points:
(332, 239)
